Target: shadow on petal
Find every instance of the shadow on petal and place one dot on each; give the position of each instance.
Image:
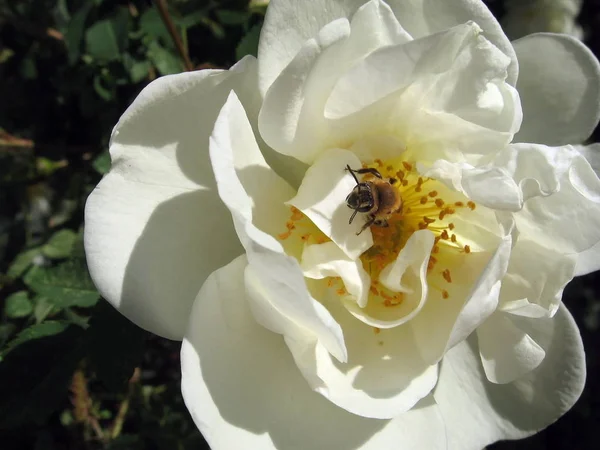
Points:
(183, 241)
(238, 374)
(549, 391)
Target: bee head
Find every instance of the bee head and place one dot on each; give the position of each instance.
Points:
(361, 198)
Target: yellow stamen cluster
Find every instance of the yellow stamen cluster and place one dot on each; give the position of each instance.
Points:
(301, 227)
(422, 208)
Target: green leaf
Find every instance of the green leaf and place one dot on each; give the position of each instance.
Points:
(65, 285)
(22, 262)
(74, 34)
(42, 308)
(103, 92)
(115, 346)
(217, 30)
(36, 375)
(18, 305)
(165, 61)
(60, 245)
(192, 19)
(152, 25)
(102, 162)
(139, 71)
(106, 39)
(6, 331)
(249, 43)
(38, 331)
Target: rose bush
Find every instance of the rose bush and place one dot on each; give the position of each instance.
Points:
(223, 222)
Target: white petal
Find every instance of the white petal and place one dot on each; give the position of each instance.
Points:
(589, 260)
(591, 153)
(535, 279)
(517, 173)
(491, 412)
(328, 260)
(489, 185)
(149, 223)
(291, 120)
(280, 275)
(322, 197)
(507, 352)
(289, 24)
(408, 275)
(447, 90)
(384, 376)
(280, 118)
(559, 84)
(568, 216)
(243, 389)
(474, 293)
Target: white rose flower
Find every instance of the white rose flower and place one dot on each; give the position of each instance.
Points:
(433, 319)
(524, 17)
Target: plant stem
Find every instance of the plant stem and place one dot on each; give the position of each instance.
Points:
(163, 9)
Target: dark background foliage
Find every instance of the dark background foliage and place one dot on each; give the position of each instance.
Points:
(75, 374)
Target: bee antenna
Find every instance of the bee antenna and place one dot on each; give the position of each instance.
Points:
(352, 216)
(355, 179)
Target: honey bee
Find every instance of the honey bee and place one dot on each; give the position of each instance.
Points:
(377, 198)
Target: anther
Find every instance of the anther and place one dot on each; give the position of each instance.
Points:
(445, 294)
(439, 202)
(423, 200)
(451, 226)
(433, 194)
(446, 275)
(467, 249)
(453, 238)
(284, 236)
(471, 205)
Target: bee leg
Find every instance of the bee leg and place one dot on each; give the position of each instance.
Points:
(383, 223)
(370, 170)
(367, 224)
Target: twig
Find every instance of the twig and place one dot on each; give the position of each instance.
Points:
(14, 143)
(124, 407)
(82, 404)
(8, 140)
(163, 9)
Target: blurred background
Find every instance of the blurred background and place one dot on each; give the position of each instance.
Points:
(74, 374)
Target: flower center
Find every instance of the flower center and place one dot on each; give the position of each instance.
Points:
(425, 204)
(423, 207)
